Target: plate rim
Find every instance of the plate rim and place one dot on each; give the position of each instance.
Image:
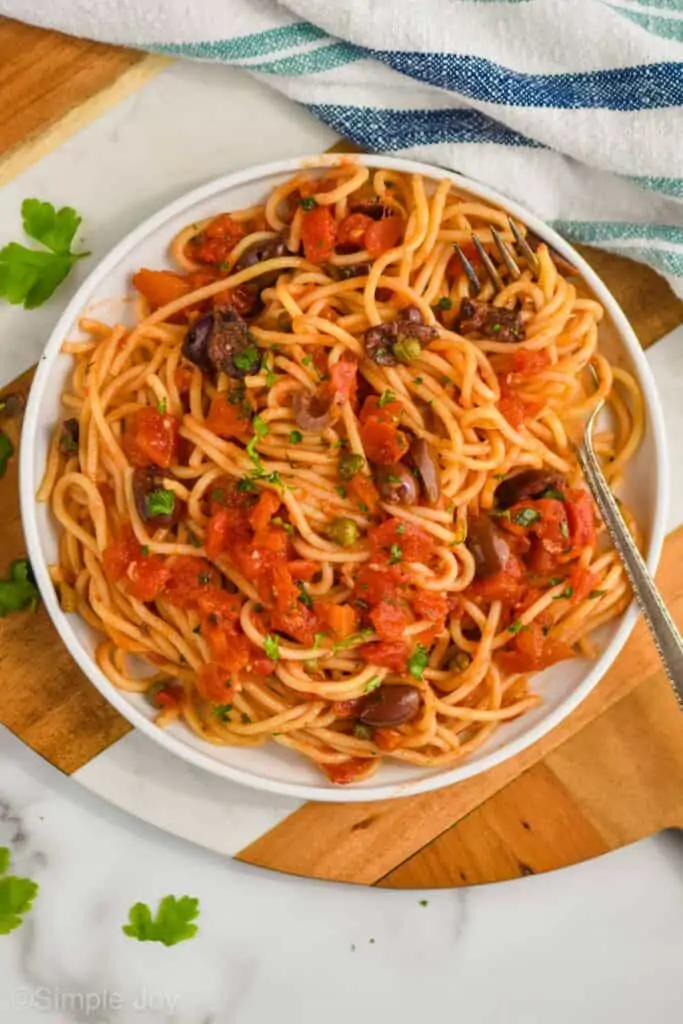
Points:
(28, 484)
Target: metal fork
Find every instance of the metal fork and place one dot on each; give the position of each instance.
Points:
(666, 636)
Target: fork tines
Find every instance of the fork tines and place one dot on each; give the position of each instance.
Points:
(507, 256)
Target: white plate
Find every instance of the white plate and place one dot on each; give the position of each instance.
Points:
(272, 768)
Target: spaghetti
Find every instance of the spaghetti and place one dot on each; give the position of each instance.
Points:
(327, 496)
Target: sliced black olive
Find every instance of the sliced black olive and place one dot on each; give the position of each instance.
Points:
(259, 252)
(396, 484)
(493, 322)
(371, 208)
(529, 484)
(428, 468)
(489, 548)
(390, 706)
(381, 341)
(312, 412)
(220, 341)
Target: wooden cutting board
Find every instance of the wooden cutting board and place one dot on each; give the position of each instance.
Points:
(610, 774)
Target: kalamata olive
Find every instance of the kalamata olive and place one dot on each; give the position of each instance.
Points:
(396, 484)
(390, 705)
(383, 340)
(457, 660)
(371, 208)
(494, 322)
(411, 315)
(312, 412)
(12, 404)
(68, 438)
(379, 344)
(489, 548)
(151, 501)
(220, 341)
(259, 252)
(408, 326)
(531, 483)
(428, 468)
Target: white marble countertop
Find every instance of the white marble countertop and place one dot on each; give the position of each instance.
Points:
(601, 942)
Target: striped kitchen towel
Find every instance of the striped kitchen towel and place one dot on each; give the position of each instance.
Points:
(571, 107)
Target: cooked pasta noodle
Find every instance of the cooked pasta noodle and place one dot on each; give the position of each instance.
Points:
(325, 496)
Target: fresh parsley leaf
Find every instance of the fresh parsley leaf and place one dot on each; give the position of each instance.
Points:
(308, 203)
(144, 550)
(400, 529)
(385, 398)
(19, 591)
(160, 502)
(307, 360)
(162, 406)
(355, 638)
(171, 925)
(341, 490)
(362, 731)
(395, 554)
(16, 895)
(555, 580)
(295, 437)
(271, 645)
(567, 592)
(551, 492)
(372, 684)
(248, 360)
(304, 596)
(245, 485)
(516, 626)
(318, 639)
(597, 593)
(417, 662)
(526, 516)
(6, 452)
(245, 719)
(30, 276)
(443, 303)
(271, 379)
(261, 428)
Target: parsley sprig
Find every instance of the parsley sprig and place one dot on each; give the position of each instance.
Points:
(28, 277)
(16, 895)
(171, 925)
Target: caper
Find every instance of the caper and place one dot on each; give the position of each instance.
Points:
(350, 464)
(343, 531)
(407, 349)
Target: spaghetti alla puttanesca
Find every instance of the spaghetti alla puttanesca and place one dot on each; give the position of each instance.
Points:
(327, 496)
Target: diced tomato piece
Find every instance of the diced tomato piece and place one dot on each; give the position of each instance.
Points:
(415, 544)
(383, 442)
(533, 652)
(216, 241)
(386, 655)
(352, 230)
(190, 578)
(225, 493)
(582, 581)
(318, 234)
(213, 684)
(527, 361)
(386, 412)
(347, 771)
(303, 569)
(342, 619)
(506, 585)
(346, 708)
(228, 420)
(219, 617)
(218, 531)
(553, 528)
(160, 287)
(390, 620)
(278, 583)
(183, 379)
(297, 621)
(147, 577)
(264, 510)
(387, 739)
(581, 519)
(153, 438)
(363, 490)
(513, 409)
(120, 553)
(169, 697)
(430, 605)
(314, 186)
(343, 378)
(383, 235)
(375, 584)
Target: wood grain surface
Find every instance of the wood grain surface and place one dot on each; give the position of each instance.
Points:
(611, 773)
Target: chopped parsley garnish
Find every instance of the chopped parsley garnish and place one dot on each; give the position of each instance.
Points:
(567, 592)
(355, 638)
(597, 593)
(304, 596)
(423, 903)
(372, 684)
(248, 359)
(385, 398)
(417, 662)
(443, 303)
(401, 529)
(271, 645)
(419, 380)
(204, 578)
(516, 626)
(144, 550)
(218, 494)
(295, 437)
(246, 720)
(363, 507)
(16, 895)
(246, 484)
(526, 516)
(261, 428)
(171, 925)
(341, 491)
(551, 492)
(308, 203)
(318, 639)
(307, 360)
(222, 712)
(395, 554)
(160, 502)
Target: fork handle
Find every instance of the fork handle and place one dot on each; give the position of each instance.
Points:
(664, 632)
